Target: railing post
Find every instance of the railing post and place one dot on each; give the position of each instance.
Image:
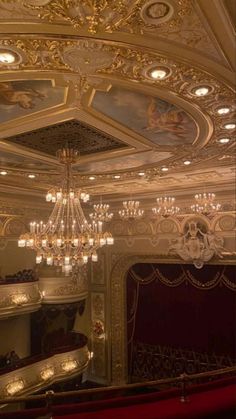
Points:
(49, 402)
(183, 397)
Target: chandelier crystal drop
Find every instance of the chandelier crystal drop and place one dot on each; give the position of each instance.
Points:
(205, 204)
(67, 239)
(131, 210)
(101, 213)
(165, 207)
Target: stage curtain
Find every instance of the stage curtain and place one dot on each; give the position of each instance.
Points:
(180, 319)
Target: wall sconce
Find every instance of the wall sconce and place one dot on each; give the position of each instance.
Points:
(19, 299)
(47, 373)
(69, 365)
(15, 387)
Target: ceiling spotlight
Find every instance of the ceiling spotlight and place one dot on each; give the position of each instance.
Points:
(187, 162)
(3, 173)
(159, 73)
(141, 174)
(201, 91)
(224, 140)
(164, 169)
(223, 111)
(31, 176)
(7, 57)
(91, 177)
(230, 125)
(117, 177)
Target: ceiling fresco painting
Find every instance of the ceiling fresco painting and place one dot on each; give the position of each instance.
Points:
(155, 119)
(15, 161)
(125, 163)
(21, 98)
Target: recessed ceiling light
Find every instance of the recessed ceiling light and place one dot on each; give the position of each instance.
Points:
(224, 140)
(187, 162)
(164, 169)
(117, 176)
(159, 73)
(230, 125)
(91, 177)
(141, 174)
(31, 176)
(201, 91)
(3, 173)
(223, 110)
(7, 57)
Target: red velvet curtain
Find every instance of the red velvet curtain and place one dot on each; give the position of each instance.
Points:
(173, 309)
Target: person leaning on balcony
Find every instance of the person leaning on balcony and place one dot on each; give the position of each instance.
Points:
(12, 358)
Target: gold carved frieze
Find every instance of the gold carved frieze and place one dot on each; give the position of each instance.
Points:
(172, 20)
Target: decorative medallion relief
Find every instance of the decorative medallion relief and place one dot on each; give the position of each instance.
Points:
(157, 12)
(14, 228)
(227, 223)
(167, 226)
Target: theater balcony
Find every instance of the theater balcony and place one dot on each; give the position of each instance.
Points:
(32, 374)
(56, 288)
(19, 294)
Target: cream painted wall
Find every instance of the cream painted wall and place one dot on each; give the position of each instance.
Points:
(14, 259)
(15, 335)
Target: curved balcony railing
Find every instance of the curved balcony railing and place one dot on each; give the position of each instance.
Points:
(57, 290)
(19, 297)
(23, 292)
(34, 373)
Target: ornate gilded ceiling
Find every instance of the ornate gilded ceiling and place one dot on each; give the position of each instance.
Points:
(83, 73)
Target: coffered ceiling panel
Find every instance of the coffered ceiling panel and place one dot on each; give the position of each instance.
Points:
(78, 135)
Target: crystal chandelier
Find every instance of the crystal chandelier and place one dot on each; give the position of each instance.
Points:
(205, 204)
(67, 239)
(131, 211)
(165, 207)
(101, 213)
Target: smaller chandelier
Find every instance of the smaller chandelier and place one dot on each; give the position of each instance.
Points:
(205, 204)
(101, 213)
(131, 211)
(165, 207)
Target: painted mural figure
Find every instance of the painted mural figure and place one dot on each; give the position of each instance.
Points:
(171, 121)
(23, 98)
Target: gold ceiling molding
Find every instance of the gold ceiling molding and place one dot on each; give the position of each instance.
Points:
(173, 20)
(125, 63)
(131, 64)
(95, 16)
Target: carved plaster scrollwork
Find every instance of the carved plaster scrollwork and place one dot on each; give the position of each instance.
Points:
(175, 20)
(95, 15)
